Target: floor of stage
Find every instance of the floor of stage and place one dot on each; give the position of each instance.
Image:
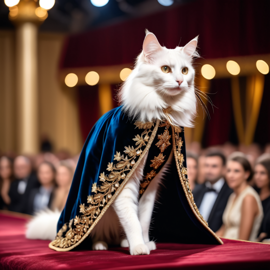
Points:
(17, 252)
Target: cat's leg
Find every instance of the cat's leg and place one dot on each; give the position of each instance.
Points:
(107, 231)
(126, 208)
(146, 204)
(100, 245)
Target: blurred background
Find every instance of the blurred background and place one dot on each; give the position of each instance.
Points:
(63, 61)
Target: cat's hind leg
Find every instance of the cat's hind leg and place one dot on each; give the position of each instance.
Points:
(107, 231)
(100, 245)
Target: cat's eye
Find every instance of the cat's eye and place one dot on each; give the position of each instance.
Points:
(166, 69)
(185, 70)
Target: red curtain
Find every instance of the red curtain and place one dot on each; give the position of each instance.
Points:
(218, 127)
(89, 110)
(226, 28)
(262, 134)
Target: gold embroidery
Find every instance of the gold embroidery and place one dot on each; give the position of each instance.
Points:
(164, 140)
(103, 193)
(94, 188)
(157, 161)
(183, 173)
(150, 175)
(162, 144)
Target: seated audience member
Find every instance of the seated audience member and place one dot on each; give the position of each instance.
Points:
(41, 198)
(6, 177)
(211, 197)
(243, 214)
(21, 187)
(262, 181)
(64, 174)
(192, 168)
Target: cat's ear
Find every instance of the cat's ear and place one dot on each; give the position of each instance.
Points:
(150, 46)
(190, 48)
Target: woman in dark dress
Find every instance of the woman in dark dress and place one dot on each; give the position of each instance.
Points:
(6, 177)
(262, 181)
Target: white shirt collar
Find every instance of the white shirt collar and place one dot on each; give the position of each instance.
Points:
(217, 186)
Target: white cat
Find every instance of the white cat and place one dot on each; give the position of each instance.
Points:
(161, 78)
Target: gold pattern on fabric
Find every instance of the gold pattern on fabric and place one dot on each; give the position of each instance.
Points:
(101, 195)
(162, 144)
(182, 172)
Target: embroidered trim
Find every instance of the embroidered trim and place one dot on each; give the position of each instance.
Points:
(162, 144)
(120, 171)
(182, 172)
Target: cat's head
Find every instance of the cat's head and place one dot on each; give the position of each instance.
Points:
(162, 78)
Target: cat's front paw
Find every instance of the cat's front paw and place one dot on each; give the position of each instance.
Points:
(124, 243)
(141, 249)
(151, 245)
(100, 245)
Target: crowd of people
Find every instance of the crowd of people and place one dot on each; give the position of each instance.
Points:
(231, 186)
(232, 190)
(28, 189)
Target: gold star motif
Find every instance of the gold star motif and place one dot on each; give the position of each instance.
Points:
(150, 175)
(157, 161)
(94, 188)
(164, 140)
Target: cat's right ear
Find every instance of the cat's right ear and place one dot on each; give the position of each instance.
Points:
(150, 46)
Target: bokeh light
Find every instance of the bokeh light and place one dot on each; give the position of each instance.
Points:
(166, 3)
(41, 12)
(208, 71)
(125, 73)
(13, 11)
(99, 3)
(92, 78)
(46, 4)
(71, 80)
(262, 66)
(11, 3)
(233, 67)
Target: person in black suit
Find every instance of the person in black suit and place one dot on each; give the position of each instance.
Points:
(25, 181)
(42, 197)
(212, 196)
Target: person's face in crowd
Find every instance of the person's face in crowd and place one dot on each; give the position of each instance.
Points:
(22, 167)
(63, 176)
(192, 169)
(213, 169)
(45, 174)
(261, 176)
(5, 168)
(236, 175)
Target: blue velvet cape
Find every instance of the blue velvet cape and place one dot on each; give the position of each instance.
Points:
(113, 150)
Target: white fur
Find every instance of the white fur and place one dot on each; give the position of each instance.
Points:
(43, 225)
(147, 90)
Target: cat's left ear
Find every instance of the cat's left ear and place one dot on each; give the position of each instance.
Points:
(150, 46)
(190, 48)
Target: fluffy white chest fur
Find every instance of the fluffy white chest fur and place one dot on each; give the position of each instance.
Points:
(161, 78)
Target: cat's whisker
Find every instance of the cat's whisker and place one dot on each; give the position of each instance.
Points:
(204, 107)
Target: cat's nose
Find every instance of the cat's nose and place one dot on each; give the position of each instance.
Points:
(179, 82)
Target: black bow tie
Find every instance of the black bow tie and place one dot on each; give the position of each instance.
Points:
(210, 189)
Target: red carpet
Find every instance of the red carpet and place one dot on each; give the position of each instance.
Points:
(16, 252)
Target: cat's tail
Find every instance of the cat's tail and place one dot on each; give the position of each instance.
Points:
(43, 225)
